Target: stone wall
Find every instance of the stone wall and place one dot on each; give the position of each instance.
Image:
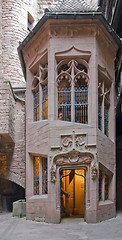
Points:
(0, 34)
(17, 165)
(6, 109)
(14, 30)
(12, 134)
(43, 4)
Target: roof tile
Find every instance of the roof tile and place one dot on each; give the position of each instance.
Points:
(70, 6)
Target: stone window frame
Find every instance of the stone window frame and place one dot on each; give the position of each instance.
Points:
(36, 99)
(40, 182)
(105, 193)
(40, 76)
(67, 56)
(104, 100)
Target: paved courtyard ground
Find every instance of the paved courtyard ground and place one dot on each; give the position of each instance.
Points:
(13, 228)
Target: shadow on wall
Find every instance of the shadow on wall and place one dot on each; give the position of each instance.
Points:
(119, 161)
(9, 193)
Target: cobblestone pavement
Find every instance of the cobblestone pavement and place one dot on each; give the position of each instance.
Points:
(13, 228)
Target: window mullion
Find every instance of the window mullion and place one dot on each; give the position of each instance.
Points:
(72, 94)
(40, 176)
(103, 102)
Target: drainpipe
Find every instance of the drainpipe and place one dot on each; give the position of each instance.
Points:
(24, 101)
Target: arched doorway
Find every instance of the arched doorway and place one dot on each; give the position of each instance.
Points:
(72, 183)
(9, 193)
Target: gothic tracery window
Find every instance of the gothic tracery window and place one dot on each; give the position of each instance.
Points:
(72, 81)
(40, 93)
(35, 99)
(104, 87)
(44, 86)
(45, 102)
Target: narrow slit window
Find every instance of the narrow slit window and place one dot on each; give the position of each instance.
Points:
(44, 176)
(45, 102)
(36, 175)
(100, 185)
(106, 187)
(36, 105)
(106, 120)
(100, 114)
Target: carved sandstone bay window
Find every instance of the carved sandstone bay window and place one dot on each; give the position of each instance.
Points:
(72, 89)
(40, 175)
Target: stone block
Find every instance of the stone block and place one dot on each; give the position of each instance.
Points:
(19, 208)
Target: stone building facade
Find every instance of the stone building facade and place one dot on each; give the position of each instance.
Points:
(83, 148)
(70, 140)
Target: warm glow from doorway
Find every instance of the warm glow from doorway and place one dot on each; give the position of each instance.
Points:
(72, 192)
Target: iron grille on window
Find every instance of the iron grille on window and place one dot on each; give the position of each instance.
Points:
(64, 104)
(100, 185)
(106, 120)
(106, 187)
(44, 176)
(81, 104)
(36, 175)
(45, 102)
(100, 115)
(36, 106)
(72, 90)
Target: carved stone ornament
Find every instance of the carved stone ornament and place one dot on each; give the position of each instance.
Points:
(94, 170)
(74, 157)
(79, 141)
(67, 142)
(53, 174)
(73, 141)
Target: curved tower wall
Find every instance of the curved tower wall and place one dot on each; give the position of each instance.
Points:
(14, 30)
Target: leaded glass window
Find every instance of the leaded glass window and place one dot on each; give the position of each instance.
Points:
(72, 90)
(45, 102)
(64, 101)
(36, 105)
(100, 114)
(36, 175)
(40, 175)
(100, 185)
(81, 104)
(103, 106)
(106, 120)
(44, 176)
(106, 187)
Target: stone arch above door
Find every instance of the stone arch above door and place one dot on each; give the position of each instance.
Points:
(73, 152)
